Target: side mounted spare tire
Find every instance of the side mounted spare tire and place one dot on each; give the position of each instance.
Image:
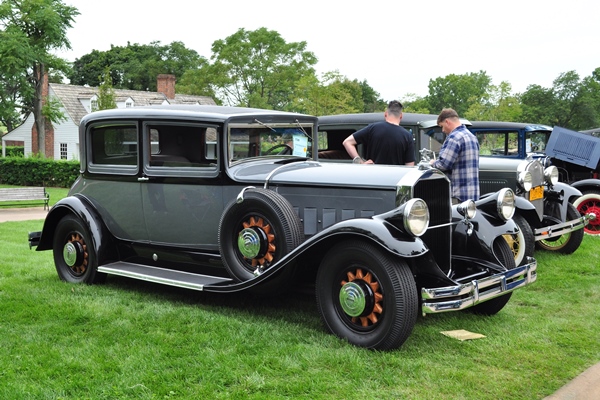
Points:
(258, 232)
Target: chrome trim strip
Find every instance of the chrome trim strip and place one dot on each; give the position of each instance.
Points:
(562, 228)
(452, 298)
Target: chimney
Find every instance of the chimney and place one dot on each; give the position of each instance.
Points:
(165, 84)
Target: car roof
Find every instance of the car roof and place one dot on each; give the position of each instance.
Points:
(212, 112)
(509, 125)
(367, 118)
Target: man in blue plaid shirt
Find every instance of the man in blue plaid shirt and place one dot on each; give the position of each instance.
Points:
(459, 156)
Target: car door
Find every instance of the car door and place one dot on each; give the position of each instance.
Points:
(181, 194)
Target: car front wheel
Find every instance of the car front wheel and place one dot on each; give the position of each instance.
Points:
(522, 243)
(366, 296)
(567, 243)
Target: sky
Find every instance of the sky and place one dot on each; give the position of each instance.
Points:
(396, 46)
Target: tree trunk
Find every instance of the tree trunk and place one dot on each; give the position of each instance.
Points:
(40, 121)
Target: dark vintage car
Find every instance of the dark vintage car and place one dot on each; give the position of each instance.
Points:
(543, 211)
(575, 155)
(226, 199)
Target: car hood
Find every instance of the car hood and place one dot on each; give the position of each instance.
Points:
(314, 173)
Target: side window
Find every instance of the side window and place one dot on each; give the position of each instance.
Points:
(503, 143)
(187, 149)
(113, 148)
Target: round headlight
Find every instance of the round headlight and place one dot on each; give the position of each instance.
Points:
(467, 209)
(551, 175)
(416, 217)
(506, 203)
(525, 180)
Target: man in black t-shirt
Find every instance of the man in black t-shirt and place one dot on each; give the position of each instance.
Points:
(386, 142)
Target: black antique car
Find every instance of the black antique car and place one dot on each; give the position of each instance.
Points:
(575, 155)
(224, 199)
(543, 212)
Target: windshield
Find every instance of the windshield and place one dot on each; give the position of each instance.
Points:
(536, 141)
(275, 141)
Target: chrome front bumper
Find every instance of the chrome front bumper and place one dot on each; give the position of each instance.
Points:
(547, 232)
(459, 297)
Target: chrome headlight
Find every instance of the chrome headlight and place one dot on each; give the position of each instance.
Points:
(551, 175)
(506, 203)
(525, 180)
(467, 209)
(416, 217)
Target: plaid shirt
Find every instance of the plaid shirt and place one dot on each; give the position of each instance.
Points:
(459, 156)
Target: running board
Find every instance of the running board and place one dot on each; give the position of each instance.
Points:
(163, 276)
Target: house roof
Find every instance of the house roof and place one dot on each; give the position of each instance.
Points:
(71, 95)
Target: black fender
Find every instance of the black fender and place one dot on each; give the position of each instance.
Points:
(374, 229)
(524, 208)
(478, 242)
(585, 185)
(80, 207)
(559, 197)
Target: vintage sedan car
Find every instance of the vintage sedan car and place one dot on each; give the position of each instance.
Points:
(575, 154)
(543, 213)
(225, 199)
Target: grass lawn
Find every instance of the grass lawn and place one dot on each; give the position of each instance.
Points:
(135, 340)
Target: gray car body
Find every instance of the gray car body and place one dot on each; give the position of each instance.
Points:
(153, 216)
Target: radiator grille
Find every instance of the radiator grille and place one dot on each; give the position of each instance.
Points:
(436, 193)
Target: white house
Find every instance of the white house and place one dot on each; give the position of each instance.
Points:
(62, 139)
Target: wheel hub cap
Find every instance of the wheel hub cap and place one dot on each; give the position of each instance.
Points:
(251, 242)
(71, 253)
(354, 298)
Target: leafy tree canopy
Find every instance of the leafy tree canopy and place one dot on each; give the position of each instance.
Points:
(459, 91)
(29, 31)
(572, 102)
(258, 69)
(135, 66)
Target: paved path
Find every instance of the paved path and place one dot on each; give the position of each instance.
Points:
(584, 387)
(22, 214)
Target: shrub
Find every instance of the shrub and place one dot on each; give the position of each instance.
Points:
(15, 151)
(38, 172)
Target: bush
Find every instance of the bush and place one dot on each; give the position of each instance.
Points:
(21, 171)
(15, 151)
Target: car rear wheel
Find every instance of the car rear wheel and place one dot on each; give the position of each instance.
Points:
(74, 255)
(590, 203)
(257, 232)
(366, 296)
(567, 243)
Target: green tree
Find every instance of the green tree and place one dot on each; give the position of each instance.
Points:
(106, 94)
(334, 94)
(501, 106)
(416, 104)
(458, 91)
(197, 82)
(135, 66)
(258, 69)
(572, 102)
(31, 29)
(372, 101)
